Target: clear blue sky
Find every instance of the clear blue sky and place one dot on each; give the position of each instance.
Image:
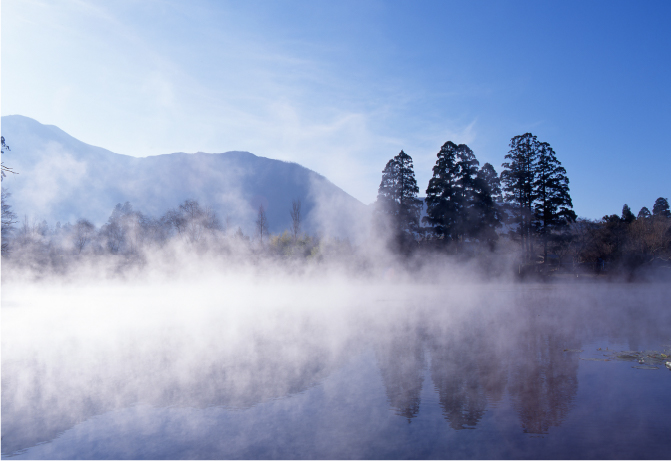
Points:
(341, 87)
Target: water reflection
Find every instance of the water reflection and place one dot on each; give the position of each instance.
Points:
(455, 377)
(543, 381)
(517, 350)
(53, 387)
(401, 360)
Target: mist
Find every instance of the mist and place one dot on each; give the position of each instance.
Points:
(364, 356)
(179, 335)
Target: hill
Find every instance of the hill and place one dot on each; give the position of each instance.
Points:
(63, 179)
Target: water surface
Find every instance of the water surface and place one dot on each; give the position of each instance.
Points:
(332, 370)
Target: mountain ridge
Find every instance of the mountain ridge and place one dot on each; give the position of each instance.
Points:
(63, 179)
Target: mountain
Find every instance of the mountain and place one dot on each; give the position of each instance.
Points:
(63, 179)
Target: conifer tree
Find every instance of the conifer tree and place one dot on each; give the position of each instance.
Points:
(488, 193)
(487, 174)
(552, 207)
(644, 213)
(397, 200)
(536, 184)
(518, 184)
(459, 201)
(627, 215)
(661, 208)
(468, 221)
(442, 196)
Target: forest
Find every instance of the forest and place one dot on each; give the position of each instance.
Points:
(523, 215)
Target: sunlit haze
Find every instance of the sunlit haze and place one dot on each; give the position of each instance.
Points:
(341, 87)
(335, 229)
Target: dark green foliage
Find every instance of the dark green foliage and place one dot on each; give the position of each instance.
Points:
(398, 207)
(469, 215)
(611, 219)
(644, 213)
(459, 197)
(661, 208)
(537, 186)
(489, 212)
(517, 179)
(627, 215)
(442, 196)
(491, 181)
(552, 207)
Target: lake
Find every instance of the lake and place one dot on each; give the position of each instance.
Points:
(335, 368)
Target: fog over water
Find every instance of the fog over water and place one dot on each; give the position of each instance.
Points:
(315, 361)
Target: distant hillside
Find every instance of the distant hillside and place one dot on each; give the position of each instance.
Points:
(62, 179)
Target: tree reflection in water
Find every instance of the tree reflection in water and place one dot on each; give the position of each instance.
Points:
(508, 348)
(402, 362)
(455, 377)
(474, 362)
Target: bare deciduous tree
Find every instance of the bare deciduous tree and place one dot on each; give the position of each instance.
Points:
(5, 169)
(8, 221)
(261, 224)
(296, 217)
(84, 231)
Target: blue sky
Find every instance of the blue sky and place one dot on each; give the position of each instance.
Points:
(341, 87)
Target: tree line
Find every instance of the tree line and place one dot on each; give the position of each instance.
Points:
(131, 232)
(468, 206)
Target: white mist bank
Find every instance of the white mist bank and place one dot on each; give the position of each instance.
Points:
(209, 334)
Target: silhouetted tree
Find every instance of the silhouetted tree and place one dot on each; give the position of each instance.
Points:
(627, 215)
(468, 216)
(518, 185)
(487, 174)
(661, 208)
(552, 207)
(397, 204)
(644, 213)
(537, 185)
(442, 195)
(3, 148)
(487, 213)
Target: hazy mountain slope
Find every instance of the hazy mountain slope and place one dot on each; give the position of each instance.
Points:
(62, 179)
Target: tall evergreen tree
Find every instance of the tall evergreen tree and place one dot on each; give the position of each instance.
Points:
(459, 201)
(537, 186)
(661, 208)
(627, 215)
(552, 207)
(518, 184)
(397, 201)
(487, 174)
(488, 193)
(644, 213)
(442, 195)
(468, 213)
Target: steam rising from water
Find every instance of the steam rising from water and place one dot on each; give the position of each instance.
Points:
(241, 336)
